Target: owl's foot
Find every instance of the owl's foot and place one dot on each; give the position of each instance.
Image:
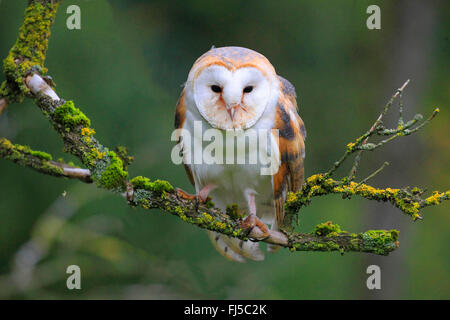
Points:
(202, 196)
(184, 195)
(253, 221)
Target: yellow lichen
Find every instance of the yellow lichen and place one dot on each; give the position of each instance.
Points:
(435, 198)
(87, 132)
(291, 197)
(207, 217)
(314, 178)
(98, 154)
(350, 146)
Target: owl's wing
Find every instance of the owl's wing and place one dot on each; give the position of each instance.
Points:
(292, 134)
(180, 117)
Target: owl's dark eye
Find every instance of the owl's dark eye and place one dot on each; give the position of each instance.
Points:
(248, 89)
(216, 89)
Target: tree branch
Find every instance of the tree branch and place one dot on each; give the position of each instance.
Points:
(41, 161)
(28, 53)
(409, 201)
(108, 169)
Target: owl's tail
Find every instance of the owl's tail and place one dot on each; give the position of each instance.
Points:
(235, 249)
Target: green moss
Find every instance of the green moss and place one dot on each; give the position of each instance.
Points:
(25, 156)
(113, 176)
(157, 186)
(207, 221)
(28, 53)
(380, 241)
(141, 182)
(41, 155)
(70, 116)
(21, 151)
(160, 186)
(204, 220)
(50, 168)
(327, 228)
(374, 241)
(209, 203)
(355, 242)
(316, 246)
(122, 152)
(233, 212)
(179, 210)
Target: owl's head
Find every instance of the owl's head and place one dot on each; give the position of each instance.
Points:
(232, 86)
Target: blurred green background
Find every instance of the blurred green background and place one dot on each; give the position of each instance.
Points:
(125, 68)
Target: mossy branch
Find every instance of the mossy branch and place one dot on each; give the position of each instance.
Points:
(409, 201)
(326, 236)
(108, 169)
(41, 161)
(28, 53)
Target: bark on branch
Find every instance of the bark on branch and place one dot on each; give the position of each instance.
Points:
(41, 161)
(24, 71)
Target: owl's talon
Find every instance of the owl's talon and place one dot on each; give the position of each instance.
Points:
(253, 221)
(184, 195)
(201, 197)
(246, 231)
(187, 196)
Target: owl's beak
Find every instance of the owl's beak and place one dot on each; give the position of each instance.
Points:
(232, 109)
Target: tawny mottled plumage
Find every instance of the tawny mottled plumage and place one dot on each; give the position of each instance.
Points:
(238, 88)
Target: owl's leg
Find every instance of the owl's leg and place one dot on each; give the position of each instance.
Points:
(201, 196)
(252, 220)
(273, 248)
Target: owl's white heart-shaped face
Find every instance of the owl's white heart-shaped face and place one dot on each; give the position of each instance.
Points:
(232, 99)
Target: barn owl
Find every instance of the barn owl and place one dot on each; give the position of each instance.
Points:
(234, 88)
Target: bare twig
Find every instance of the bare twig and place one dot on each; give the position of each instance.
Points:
(373, 174)
(361, 144)
(374, 126)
